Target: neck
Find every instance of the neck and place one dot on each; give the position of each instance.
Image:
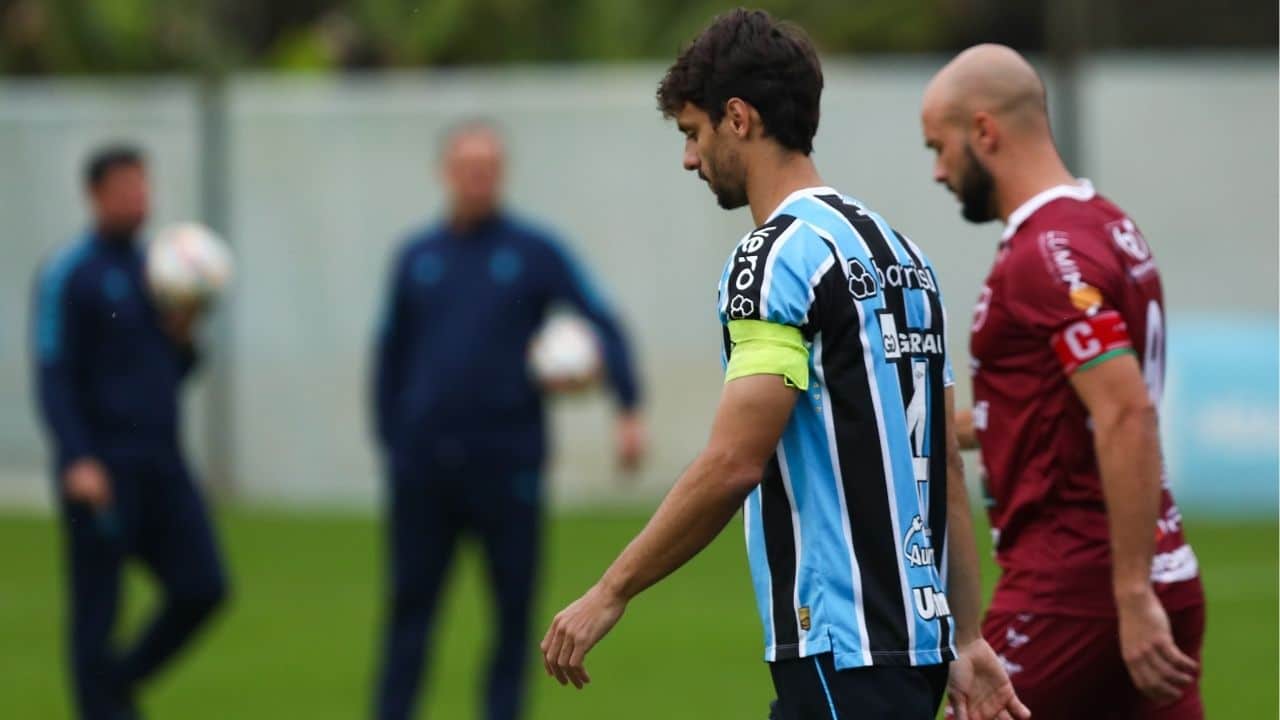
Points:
(785, 173)
(114, 236)
(468, 222)
(1028, 175)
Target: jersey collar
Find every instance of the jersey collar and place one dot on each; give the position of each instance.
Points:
(802, 192)
(1082, 191)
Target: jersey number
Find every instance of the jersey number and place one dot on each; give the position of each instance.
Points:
(1153, 353)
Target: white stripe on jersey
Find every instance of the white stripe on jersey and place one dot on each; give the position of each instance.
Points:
(770, 652)
(767, 276)
(828, 420)
(869, 361)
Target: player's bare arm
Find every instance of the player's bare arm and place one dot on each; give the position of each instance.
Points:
(979, 686)
(752, 414)
(1127, 443)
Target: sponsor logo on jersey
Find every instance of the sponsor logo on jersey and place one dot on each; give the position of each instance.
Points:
(862, 284)
(1129, 239)
(1084, 296)
(908, 277)
(803, 615)
(915, 546)
(913, 342)
(746, 272)
(741, 307)
(931, 603)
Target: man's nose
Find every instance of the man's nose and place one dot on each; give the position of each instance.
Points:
(690, 157)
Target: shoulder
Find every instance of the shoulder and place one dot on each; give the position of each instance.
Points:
(1068, 236)
(771, 270)
(533, 235)
(66, 267)
(416, 241)
(784, 239)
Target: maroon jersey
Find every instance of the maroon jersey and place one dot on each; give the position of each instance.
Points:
(1073, 284)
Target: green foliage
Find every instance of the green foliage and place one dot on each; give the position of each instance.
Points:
(48, 36)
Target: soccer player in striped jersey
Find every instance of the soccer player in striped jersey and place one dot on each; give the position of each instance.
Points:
(833, 431)
(1068, 363)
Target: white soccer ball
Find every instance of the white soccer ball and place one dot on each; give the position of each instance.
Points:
(187, 264)
(565, 354)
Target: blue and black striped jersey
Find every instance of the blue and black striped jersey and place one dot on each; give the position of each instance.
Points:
(845, 534)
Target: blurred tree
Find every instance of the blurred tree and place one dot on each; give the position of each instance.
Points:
(108, 36)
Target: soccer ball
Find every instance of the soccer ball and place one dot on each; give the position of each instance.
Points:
(187, 265)
(565, 354)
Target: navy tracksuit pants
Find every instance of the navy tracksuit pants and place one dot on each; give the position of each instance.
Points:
(157, 517)
(430, 509)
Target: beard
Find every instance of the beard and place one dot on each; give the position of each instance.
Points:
(726, 179)
(122, 231)
(977, 191)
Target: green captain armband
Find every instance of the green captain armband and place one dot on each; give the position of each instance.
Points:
(765, 348)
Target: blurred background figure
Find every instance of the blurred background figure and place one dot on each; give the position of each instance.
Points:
(109, 366)
(460, 418)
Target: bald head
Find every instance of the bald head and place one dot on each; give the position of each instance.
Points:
(991, 79)
(985, 118)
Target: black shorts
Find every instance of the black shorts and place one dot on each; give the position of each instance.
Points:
(812, 689)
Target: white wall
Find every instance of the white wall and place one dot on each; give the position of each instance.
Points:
(328, 173)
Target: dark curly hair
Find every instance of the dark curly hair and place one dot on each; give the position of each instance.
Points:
(748, 54)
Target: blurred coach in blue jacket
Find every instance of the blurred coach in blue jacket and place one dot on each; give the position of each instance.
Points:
(109, 368)
(461, 420)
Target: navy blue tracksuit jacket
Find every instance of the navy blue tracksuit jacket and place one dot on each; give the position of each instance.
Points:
(461, 421)
(108, 378)
(108, 375)
(453, 382)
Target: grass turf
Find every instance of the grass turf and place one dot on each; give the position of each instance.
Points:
(298, 640)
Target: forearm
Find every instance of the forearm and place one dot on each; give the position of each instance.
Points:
(1129, 458)
(696, 510)
(964, 575)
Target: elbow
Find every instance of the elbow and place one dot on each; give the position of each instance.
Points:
(735, 474)
(1137, 418)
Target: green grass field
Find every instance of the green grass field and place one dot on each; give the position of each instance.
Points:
(299, 638)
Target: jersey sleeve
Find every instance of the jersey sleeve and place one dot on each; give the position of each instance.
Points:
(1065, 287)
(571, 283)
(58, 324)
(770, 274)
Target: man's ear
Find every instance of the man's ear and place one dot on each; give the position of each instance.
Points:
(740, 117)
(985, 133)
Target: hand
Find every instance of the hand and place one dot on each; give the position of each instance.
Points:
(1157, 666)
(632, 440)
(979, 687)
(86, 481)
(575, 630)
(180, 321)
